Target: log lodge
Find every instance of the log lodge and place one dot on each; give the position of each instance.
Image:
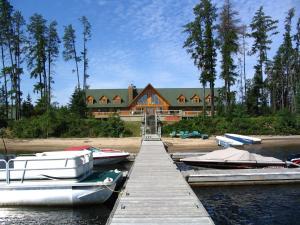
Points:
(173, 104)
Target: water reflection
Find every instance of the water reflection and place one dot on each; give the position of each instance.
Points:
(262, 204)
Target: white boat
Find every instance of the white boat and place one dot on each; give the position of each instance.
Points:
(226, 142)
(244, 139)
(56, 178)
(232, 158)
(102, 156)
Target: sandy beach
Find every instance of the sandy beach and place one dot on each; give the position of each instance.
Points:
(131, 144)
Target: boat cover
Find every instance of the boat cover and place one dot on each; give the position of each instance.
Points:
(233, 155)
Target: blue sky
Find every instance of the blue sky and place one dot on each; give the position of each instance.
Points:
(137, 41)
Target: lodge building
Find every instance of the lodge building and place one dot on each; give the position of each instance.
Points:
(130, 104)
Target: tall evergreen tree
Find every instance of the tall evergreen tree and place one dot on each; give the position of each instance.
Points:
(201, 44)
(69, 52)
(195, 46)
(86, 36)
(210, 55)
(78, 103)
(18, 49)
(52, 50)
(228, 30)
(5, 24)
(262, 28)
(36, 52)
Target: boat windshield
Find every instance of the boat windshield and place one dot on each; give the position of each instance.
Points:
(93, 149)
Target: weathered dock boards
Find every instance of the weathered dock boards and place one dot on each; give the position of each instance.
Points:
(156, 193)
(242, 176)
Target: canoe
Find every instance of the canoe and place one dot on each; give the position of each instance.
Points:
(226, 142)
(244, 139)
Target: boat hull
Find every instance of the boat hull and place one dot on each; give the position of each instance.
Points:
(102, 161)
(53, 195)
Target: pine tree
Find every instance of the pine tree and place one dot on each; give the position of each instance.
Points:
(228, 30)
(5, 24)
(86, 36)
(52, 50)
(69, 52)
(77, 103)
(210, 55)
(36, 52)
(201, 44)
(262, 28)
(27, 107)
(18, 49)
(195, 46)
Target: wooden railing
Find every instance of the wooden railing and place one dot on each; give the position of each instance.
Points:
(162, 113)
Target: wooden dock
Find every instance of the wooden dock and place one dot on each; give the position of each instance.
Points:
(157, 193)
(214, 177)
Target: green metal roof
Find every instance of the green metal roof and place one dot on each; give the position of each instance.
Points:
(170, 94)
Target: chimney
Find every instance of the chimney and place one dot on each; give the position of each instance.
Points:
(130, 93)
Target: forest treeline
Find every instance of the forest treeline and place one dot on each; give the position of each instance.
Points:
(275, 84)
(30, 49)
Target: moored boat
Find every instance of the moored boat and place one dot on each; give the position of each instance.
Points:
(244, 139)
(226, 142)
(294, 158)
(50, 179)
(102, 157)
(232, 158)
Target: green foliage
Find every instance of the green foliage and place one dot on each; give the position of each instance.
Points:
(78, 104)
(62, 123)
(27, 108)
(132, 129)
(283, 123)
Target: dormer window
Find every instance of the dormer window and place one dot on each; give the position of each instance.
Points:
(181, 99)
(90, 100)
(195, 99)
(103, 100)
(208, 99)
(117, 99)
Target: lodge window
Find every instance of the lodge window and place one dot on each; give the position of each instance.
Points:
(117, 100)
(103, 100)
(195, 99)
(143, 100)
(208, 99)
(90, 100)
(181, 99)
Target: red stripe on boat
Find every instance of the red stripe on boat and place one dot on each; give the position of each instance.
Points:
(77, 148)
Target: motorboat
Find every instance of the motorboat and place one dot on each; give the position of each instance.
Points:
(294, 158)
(105, 156)
(227, 142)
(232, 158)
(55, 178)
(244, 139)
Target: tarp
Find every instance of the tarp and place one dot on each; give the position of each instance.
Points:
(233, 155)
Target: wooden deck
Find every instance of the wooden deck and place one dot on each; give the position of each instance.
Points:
(214, 177)
(156, 193)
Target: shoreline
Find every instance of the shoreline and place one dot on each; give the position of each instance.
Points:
(131, 144)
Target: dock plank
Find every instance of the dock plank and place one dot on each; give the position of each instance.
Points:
(157, 193)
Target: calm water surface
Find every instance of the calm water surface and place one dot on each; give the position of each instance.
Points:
(260, 204)
(257, 204)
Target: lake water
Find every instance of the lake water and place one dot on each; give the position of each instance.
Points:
(260, 204)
